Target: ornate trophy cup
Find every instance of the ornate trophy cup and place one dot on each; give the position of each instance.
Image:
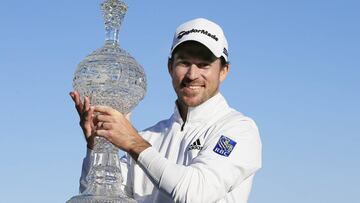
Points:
(111, 77)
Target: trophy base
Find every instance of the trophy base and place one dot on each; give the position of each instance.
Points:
(99, 199)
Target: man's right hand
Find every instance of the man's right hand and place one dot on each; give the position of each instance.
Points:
(85, 112)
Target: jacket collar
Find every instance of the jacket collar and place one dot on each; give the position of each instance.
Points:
(203, 112)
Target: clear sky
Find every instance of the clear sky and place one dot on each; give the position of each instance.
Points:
(295, 69)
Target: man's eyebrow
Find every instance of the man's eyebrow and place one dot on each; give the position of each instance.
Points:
(182, 56)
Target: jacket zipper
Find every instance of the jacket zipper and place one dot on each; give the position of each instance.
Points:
(182, 127)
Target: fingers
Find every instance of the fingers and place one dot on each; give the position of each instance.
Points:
(104, 118)
(86, 122)
(104, 126)
(103, 133)
(128, 116)
(86, 113)
(89, 114)
(86, 117)
(99, 125)
(86, 103)
(105, 110)
(76, 98)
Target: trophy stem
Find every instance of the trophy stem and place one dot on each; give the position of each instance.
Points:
(112, 36)
(104, 178)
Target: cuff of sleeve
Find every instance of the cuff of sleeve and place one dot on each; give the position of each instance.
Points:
(153, 163)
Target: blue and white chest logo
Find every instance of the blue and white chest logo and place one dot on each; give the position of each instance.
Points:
(224, 146)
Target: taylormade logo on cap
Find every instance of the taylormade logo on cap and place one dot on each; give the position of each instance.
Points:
(204, 31)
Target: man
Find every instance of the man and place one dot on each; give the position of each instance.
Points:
(206, 151)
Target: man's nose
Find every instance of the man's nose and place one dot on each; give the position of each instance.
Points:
(193, 72)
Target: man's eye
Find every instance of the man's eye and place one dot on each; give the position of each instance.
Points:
(183, 63)
(203, 65)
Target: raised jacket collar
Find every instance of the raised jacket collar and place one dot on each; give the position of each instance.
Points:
(203, 112)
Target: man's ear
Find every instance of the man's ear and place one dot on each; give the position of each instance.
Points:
(170, 63)
(224, 71)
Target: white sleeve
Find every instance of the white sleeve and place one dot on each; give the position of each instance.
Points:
(210, 176)
(240, 193)
(126, 173)
(85, 171)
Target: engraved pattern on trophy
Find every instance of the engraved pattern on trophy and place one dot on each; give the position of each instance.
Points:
(112, 77)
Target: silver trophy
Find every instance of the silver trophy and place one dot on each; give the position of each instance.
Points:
(111, 77)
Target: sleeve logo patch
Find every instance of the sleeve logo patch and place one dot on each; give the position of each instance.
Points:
(224, 146)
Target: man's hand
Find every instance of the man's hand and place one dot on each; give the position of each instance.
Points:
(115, 127)
(85, 112)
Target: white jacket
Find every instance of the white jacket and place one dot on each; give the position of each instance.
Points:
(211, 158)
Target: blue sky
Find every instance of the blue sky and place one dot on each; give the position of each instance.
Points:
(294, 70)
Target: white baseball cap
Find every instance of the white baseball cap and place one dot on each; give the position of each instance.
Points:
(204, 31)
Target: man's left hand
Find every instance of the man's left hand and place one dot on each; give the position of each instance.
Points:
(115, 127)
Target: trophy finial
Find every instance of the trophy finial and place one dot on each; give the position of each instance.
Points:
(113, 13)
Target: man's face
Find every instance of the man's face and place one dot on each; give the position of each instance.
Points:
(195, 76)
